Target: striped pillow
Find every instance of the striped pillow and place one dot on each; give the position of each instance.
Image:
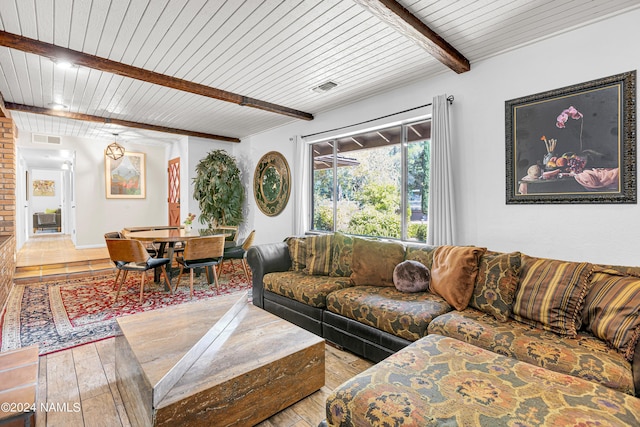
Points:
(551, 293)
(612, 309)
(318, 255)
(297, 252)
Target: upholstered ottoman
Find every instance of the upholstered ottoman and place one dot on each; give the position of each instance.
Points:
(443, 381)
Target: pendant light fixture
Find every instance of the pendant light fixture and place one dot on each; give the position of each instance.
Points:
(114, 150)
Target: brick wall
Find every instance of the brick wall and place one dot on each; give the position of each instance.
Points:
(7, 267)
(7, 207)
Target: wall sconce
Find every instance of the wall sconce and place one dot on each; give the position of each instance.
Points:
(66, 165)
(114, 150)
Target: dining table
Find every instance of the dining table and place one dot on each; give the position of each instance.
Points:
(167, 239)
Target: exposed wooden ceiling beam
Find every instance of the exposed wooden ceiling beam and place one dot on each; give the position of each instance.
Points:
(107, 120)
(54, 52)
(403, 21)
(3, 109)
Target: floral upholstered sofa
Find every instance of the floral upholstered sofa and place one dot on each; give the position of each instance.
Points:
(575, 319)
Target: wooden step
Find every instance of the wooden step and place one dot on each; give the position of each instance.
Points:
(62, 270)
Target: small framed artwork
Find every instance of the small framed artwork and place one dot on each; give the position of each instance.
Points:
(576, 144)
(126, 177)
(44, 187)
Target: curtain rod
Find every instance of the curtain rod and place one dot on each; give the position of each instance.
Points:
(449, 98)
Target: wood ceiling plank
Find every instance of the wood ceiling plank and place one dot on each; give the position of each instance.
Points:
(136, 10)
(306, 67)
(366, 55)
(126, 123)
(62, 11)
(288, 50)
(193, 27)
(79, 28)
(9, 16)
(35, 79)
(224, 24)
(394, 14)
(135, 54)
(237, 36)
(516, 28)
(86, 103)
(44, 17)
(19, 64)
(27, 17)
(44, 49)
(97, 21)
(112, 23)
(9, 85)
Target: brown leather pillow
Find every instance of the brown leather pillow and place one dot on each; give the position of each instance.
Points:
(373, 262)
(411, 276)
(453, 274)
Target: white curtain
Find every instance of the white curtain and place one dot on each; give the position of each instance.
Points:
(301, 187)
(441, 209)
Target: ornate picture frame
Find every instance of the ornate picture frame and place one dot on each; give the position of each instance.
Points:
(575, 144)
(272, 183)
(125, 178)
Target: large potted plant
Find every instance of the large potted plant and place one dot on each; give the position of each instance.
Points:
(218, 190)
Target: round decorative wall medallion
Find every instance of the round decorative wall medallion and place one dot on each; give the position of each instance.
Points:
(272, 183)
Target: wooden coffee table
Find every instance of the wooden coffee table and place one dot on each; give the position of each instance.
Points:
(217, 362)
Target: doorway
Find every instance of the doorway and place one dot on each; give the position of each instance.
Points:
(45, 194)
(174, 192)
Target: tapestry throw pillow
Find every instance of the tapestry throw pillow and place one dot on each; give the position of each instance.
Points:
(453, 274)
(421, 253)
(318, 261)
(496, 284)
(297, 252)
(551, 293)
(612, 310)
(341, 255)
(411, 276)
(373, 262)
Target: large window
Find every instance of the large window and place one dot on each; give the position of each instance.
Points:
(375, 183)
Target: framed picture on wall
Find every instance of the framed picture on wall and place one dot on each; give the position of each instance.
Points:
(44, 187)
(576, 144)
(126, 177)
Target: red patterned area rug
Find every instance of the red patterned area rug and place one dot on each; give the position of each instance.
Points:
(58, 315)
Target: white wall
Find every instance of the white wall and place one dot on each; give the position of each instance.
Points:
(598, 233)
(95, 214)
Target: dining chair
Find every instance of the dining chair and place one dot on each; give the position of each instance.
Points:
(115, 235)
(230, 231)
(131, 255)
(239, 252)
(201, 252)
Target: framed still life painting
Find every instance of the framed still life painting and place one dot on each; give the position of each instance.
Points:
(126, 177)
(576, 144)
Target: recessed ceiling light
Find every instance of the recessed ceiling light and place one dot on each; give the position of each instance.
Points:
(61, 63)
(56, 106)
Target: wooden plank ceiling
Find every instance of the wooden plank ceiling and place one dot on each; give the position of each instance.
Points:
(273, 51)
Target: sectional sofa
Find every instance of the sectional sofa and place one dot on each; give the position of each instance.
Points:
(575, 320)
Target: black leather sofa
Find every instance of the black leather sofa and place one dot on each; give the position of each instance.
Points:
(366, 341)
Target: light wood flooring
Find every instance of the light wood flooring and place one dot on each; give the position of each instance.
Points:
(84, 378)
(55, 256)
